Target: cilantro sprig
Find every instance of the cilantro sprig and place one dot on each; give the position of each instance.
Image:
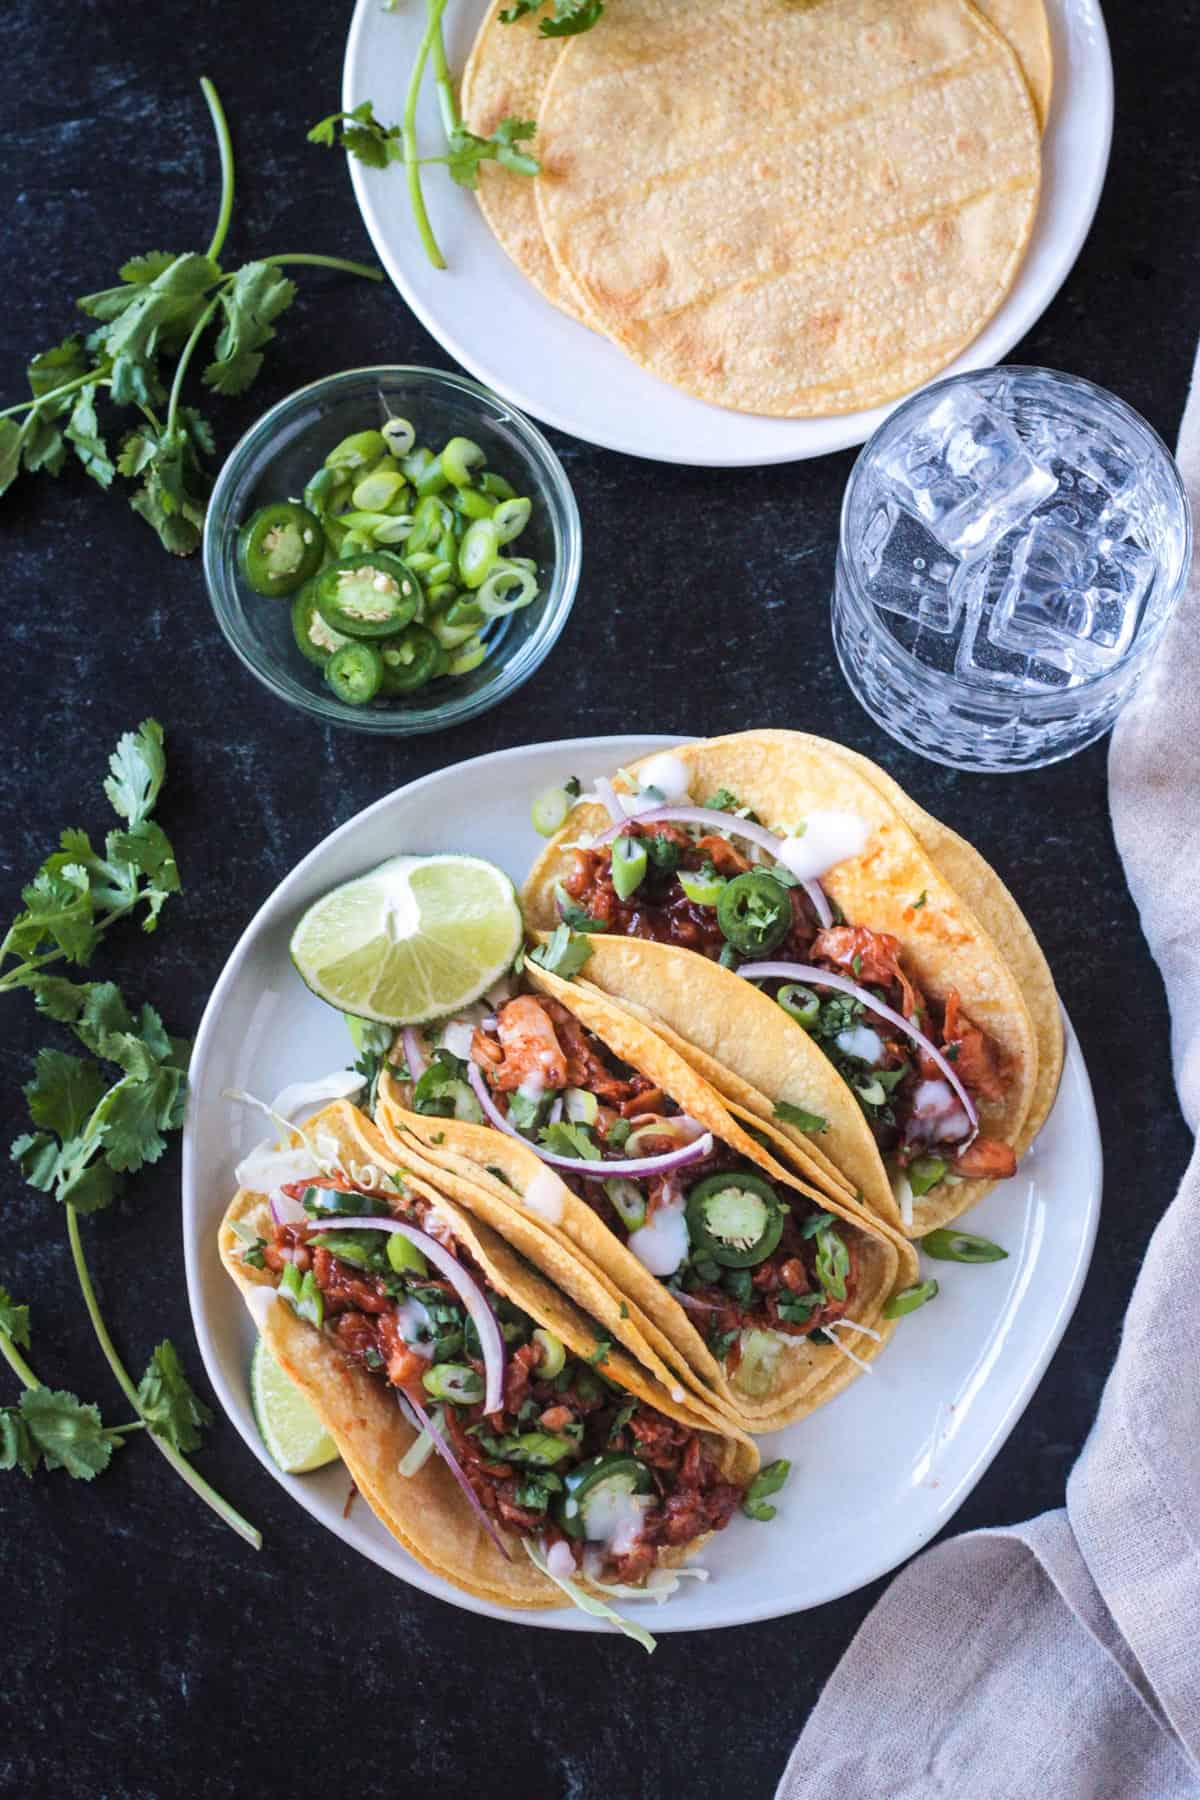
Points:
(92, 1130)
(78, 893)
(366, 138)
(158, 312)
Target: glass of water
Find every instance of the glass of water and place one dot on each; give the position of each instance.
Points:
(1013, 542)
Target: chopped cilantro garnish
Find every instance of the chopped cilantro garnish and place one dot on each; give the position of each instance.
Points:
(800, 1117)
(563, 954)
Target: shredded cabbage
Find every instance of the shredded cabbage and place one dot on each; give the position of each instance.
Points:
(342, 1084)
(660, 1584)
(586, 1602)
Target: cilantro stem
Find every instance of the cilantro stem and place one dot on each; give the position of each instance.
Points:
(225, 150)
(133, 1425)
(67, 387)
(323, 262)
(15, 978)
(16, 1362)
(185, 357)
(408, 135)
(447, 99)
(178, 1462)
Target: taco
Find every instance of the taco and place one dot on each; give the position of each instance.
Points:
(492, 1428)
(790, 865)
(640, 1194)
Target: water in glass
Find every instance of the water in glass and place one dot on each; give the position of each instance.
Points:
(1013, 541)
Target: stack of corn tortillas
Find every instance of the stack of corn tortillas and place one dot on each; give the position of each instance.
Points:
(791, 207)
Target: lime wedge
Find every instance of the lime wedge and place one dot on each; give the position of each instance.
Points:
(291, 1430)
(419, 937)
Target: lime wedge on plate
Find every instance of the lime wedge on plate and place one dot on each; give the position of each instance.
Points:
(288, 1426)
(419, 937)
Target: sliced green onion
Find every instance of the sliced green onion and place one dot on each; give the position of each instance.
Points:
(357, 451)
(506, 590)
(909, 1299)
(554, 1354)
(961, 1246)
(494, 484)
(377, 490)
(580, 1107)
(399, 437)
(701, 890)
(549, 810)
(511, 517)
(474, 505)
(459, 458)
(628, 1200)
(468, 658)
(477, 552)
(799, 1003)
(628, 866)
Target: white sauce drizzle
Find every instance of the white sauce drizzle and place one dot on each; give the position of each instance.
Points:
(668, 775)
(615, 1518)
(456, 1038)
(260, 1299)
(413, 1320)
(340, 1085)
(560, 1561)
(936, 1105)
(828, 838)
(662, 1243)
(544, 1196)
(862, 1043)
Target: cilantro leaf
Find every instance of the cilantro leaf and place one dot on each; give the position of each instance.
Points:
(257, 295)
(68, 1432)
(571, 17)
(800, 1117)
(58, 909)
(138, 766)
(768, 1481)
(11, 439)
(566, 1139)
(17, 1448)
(511, 14)
(14, 1319)
(64, 1093)
(466, 151)
(361, 135)
(160, 314)
(564, 953)
(141, 270)
(50, 369)
(84, 433)
(167, 1403)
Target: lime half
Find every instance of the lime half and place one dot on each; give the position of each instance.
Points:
(291, 1430)
(419, 937)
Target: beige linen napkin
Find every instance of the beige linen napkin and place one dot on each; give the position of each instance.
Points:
(1061, 1658)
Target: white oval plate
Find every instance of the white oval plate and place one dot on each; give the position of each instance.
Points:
(484, 312)
(878, 1471)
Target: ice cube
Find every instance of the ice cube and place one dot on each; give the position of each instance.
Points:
(980, 659)
(906, 569)
(1069, 599)
(964, 471)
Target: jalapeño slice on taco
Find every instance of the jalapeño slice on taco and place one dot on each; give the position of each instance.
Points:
(770, 855)
(631, 1175)
(490, 1426)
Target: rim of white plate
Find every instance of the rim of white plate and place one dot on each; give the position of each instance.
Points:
(380, 1550)
(1076, 145)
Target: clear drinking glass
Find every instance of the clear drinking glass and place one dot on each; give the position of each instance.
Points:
(1013, 542)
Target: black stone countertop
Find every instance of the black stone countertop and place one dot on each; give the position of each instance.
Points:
(147, 1652)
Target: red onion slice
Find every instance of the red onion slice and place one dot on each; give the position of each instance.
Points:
(635, 1167)
(693, 1303)
(788, 971)
(286, 1211)
(491, 1339)
(419, 1419)
(414, 1055)
(729, 825)
(606, 793)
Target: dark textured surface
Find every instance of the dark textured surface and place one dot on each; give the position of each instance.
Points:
(147, 1653)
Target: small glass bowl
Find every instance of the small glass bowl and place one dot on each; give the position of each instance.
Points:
(281, 453)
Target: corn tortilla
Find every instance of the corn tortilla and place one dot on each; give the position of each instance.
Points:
(574, 1247)
(789, 211)
(427, 1512)
(783, 776)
